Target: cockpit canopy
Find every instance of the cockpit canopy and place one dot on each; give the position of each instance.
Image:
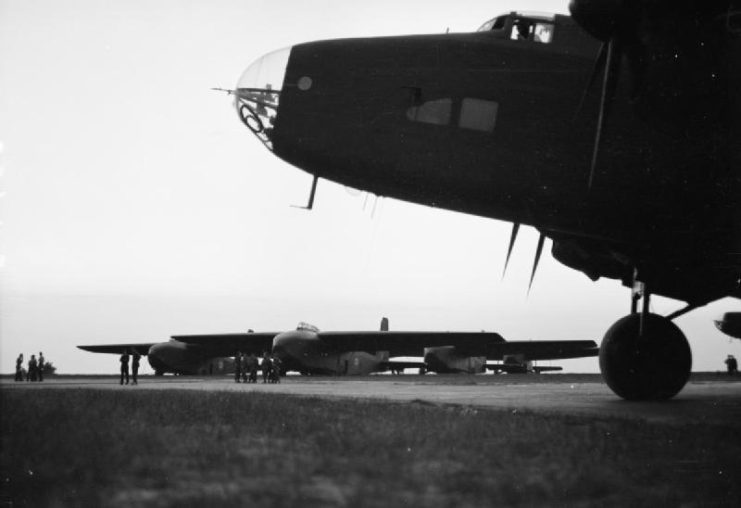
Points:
(303, 326)
(522, 26)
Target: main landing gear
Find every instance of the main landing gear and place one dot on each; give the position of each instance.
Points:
(645, 356)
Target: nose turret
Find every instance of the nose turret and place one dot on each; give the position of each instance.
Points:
(257, 94)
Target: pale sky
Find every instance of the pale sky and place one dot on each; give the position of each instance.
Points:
(135, 205)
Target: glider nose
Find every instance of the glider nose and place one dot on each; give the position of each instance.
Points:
(257, 94)
(155, 356)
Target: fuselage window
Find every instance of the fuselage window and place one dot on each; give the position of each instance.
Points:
(478, 114)
(435, 112)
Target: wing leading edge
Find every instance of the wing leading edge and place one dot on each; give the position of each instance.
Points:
(119, 349)
(228, 344)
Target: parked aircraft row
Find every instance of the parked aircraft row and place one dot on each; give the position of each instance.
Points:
(310, 351)
(637, 178)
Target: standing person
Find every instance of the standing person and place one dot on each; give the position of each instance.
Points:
(253, 364)
(245, 367)
(731, 365)
(135, 367)
(42, 364)
(276, 370)
(32, 367)
(237, 367)
(124, 366)
(19, 368)
(266, 366)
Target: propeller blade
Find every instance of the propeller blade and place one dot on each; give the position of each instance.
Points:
(538, 252)
(512, 238)
(608, 93)
(373, 210)
(599, 65)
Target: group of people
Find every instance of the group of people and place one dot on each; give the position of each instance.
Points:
(246, 366)
(35, 371)
(135, 360)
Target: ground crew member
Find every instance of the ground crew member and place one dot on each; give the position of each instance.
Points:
(276, 370)
(245, 367)
(135, 367)
(731, 365)
(19, 368)
(42, 364)
(266, 365)
(237, 367)
(32, 368)
(252, 365)
(124, 367)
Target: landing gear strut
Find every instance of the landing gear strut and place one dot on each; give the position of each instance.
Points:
(645, 356)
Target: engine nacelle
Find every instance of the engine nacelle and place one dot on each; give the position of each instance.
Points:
(730, 324)
(446, 359)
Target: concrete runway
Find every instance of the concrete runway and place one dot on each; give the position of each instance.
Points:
(708, 402)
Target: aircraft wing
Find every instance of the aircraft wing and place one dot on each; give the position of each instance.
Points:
(227, 344)
(407, 343)
(491, 345)
(119, 349)
(544, 349)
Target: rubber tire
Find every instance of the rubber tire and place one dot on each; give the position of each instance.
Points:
(655, 366)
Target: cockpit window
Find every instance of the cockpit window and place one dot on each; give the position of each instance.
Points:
(530, 30)
(307, 327)
(520, 26)
(543, 32)
(493, 24)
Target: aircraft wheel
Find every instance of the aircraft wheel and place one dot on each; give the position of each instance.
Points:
(654, 366)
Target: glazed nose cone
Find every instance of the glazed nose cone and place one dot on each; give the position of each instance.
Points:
(257, 94)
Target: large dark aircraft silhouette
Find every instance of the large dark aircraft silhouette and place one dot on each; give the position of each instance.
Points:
(310, 351)
(615, 132)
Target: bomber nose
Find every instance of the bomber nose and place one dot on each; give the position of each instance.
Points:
(257, 94)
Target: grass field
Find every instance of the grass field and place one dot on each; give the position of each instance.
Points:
(87, 447)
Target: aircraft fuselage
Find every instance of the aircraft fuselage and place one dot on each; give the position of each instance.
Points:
(483, 124)
(302, 351)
